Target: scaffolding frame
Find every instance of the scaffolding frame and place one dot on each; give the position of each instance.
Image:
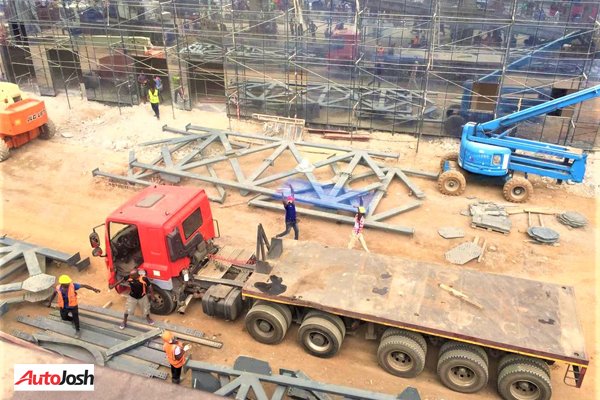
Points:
(405, 66)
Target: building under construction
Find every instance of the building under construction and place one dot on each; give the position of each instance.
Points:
(405, 66)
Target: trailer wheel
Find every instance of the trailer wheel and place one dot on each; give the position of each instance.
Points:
(330, 317)
(282, 308)
(451, 156)
(512, 359)
(266, 324)
(452, 183)
(4, 152)
(517, 190)
(453, 125)
(401, 356)
(463, 371)
(47, 131)
(320, 337)
(417, 337)
(454, 345)
(524, 382)
(163, 303)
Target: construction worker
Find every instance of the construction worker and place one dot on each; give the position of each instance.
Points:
(143, 83)
(140, 288)
(290, 215)
(359, 223)
(67, 299)
(153, 98)
(175, 351)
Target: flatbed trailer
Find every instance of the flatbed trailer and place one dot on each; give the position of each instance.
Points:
(529, 323)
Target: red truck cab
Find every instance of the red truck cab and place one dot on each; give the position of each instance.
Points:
(161, 231)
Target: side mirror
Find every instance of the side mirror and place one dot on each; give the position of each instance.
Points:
(97, 252)
(95, 243)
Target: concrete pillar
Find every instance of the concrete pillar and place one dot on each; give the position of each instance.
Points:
(39, 60)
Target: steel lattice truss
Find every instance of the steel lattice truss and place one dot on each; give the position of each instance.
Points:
(335, 198)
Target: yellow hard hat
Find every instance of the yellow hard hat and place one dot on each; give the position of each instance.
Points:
(362, 210)
(167, 336)
(64, 279)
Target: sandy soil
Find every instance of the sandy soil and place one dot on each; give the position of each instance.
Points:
(50, 197)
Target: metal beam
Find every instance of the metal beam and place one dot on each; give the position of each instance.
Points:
(334, 217)
(413, 188)
(132, 343)
(396, 211)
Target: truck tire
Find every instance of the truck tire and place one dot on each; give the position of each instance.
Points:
(401, 356)
(454, 345)
(417, 337)
(320, 337)
(511, 359)
(282, 308)
(266, 324)
(517, 190)
(453, 125)
(452, 183)
(451, 156)
(330, 317)
(463, 371)
(524, 382)
(4, 151)
(47, 131)
(163, 303)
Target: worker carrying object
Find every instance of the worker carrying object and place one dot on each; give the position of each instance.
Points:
(359, 223)
(175, 351)
(140, 293)
(290, 215)
(67, 300)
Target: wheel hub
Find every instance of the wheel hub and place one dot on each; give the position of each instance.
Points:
(264, 326)
(318, 342)
(524, 390)
(518, 191)
(401, 361)
(462, 376)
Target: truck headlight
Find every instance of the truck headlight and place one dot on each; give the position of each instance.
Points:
(497, 159)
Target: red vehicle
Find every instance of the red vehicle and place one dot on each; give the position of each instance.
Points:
(344, 45)
(167, 232)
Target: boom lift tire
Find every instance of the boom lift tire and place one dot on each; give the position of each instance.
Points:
(452, 183)
(517, 189)
(417, 337)
(266, 324)
(463, 371)
(163, 303)
(454, 345)
(320, 337)
(451, 156)
(511, 359)
(47, 131)
(282, 308)
(401, 356)
(4, 151)
(524, 382)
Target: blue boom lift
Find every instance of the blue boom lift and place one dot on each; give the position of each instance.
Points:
(487, 149)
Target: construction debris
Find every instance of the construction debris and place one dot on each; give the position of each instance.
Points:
(451, 233)
(490, 216)
(463, 253)
(572, 219)
(541, 233)
(460, 295)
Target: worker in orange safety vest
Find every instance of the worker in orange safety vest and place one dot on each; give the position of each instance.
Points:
(67, 299)
(175, 351)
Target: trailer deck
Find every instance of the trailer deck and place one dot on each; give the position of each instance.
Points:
(518, 315)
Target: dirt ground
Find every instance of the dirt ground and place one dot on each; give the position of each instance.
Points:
(49, 197)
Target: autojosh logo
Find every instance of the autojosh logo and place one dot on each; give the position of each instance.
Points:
(54, 377)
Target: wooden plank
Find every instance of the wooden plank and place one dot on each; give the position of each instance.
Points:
(460, 295)
(521, 315)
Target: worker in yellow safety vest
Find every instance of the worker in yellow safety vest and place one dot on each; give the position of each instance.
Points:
(153, 98)
(175, 351)
(67, 299)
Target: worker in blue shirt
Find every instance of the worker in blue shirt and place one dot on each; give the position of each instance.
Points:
(290, 215)
(67, 299)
